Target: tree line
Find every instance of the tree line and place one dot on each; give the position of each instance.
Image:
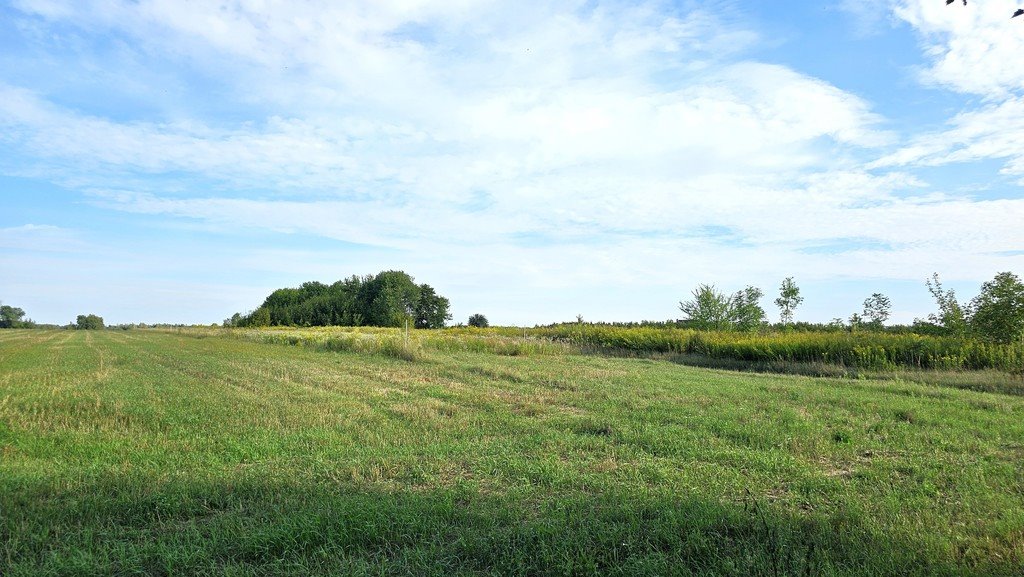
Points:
(387, 299)
(392, 298)
(14, 318)
(996, 314)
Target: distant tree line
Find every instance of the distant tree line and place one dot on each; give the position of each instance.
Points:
(387, 299)
(996, 314)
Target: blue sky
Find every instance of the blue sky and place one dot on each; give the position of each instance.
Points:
(163, 161)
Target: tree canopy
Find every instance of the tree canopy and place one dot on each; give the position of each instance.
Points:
(789, 299)
(12, 318)
(89, 323)
(951, 317)
(997, 313)
(712, 310)
(386, 299)
(877, 309)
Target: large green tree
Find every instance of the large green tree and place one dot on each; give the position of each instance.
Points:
(389, 299)
(89, 322)
(997, 313)
(431, 310)
(11, 317)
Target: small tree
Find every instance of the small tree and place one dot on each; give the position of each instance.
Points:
(876, 309)
(478, 320)
(712, 310)
(951, 315)
(745, 312)
(855, 322)
(789, 299)
(997, 313)
(708, 310)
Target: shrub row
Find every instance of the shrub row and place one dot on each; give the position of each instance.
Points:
(869, 350)
(861, 350)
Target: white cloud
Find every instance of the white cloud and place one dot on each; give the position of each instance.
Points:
(283, 152)
(553, 145)
(973, 49)
(993, 131)
(555, 117)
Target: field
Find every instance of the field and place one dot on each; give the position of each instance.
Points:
(228, 453)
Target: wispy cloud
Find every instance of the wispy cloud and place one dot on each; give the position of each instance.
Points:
(973, 49)
(40, 238)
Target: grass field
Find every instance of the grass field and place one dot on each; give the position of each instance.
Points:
(157, 453)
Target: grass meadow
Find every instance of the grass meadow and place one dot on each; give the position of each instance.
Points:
(224, 453)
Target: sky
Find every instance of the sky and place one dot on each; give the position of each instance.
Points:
(171, 161)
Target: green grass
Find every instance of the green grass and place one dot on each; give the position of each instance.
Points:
(807, 354)
(157, 453)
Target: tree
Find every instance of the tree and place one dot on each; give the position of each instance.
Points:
(260, 317)
(478, 320)
(745, 312)
(997, 313)
(708, 310)
(951, 315)
(789, 299)
(10, 317)
(712, 310)
(89, 323)
(431, 310)
(876, 309)
(855, 322)
(388, 299)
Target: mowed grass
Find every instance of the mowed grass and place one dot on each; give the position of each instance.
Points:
(148, 453)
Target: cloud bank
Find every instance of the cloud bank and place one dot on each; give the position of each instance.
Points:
(546, 146)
